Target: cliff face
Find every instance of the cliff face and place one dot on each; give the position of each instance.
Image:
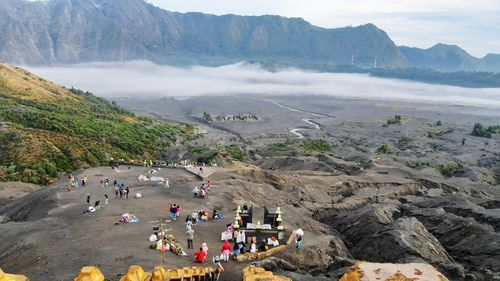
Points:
(72, 31)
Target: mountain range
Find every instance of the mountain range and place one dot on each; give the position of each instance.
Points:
(74, 31)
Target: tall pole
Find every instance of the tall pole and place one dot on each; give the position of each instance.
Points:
(162, 234)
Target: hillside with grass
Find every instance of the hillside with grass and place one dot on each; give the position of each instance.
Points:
(46, 129)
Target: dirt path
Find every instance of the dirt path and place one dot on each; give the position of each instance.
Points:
(56, 246)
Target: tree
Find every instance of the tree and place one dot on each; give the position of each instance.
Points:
(480, 131)
(207, 116)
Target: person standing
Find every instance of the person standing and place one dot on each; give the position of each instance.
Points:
(190, 236)
(205, 248)
(298, 241)
(106, 199)
(189, 222)
(167, 184)
(127, 191)
(88, 198)
(173, 211)
(217, 268)
(225, 250)
(196, 190)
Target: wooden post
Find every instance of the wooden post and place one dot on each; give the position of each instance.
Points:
(162, 234)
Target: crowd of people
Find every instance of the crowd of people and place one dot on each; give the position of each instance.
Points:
(202, 191)
(232, 247)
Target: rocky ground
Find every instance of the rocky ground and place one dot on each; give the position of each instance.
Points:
(411, 204)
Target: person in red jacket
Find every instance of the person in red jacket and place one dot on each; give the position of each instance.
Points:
(200, 256)
(226, 249)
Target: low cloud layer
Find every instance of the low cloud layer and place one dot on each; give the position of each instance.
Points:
(140, 78)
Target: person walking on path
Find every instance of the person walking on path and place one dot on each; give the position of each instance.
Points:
(88, 198)
(225, 250)
(196, 190)
(167, 184)
(190, 236)
(106, 199)
(189, 222)
(217, 268)
(173, 211)
(127, 191)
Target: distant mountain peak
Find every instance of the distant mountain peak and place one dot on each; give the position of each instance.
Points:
(74, 31)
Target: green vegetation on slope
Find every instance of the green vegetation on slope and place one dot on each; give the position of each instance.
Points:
(46, 129)
(316, 145)
(480, 131)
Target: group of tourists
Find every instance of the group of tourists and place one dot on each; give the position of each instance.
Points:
(202, 191)
(73, 181)
(121, 190)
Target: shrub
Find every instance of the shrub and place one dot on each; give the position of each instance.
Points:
(384, 149)
(282, 146)
(480, 131)
(235, 152)
(315, 145)
(451, 170)
(395, 120)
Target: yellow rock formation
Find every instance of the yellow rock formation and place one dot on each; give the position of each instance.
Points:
(11, 277)
(261, 255)
(90, 273)
(136, 273)
(252, 273)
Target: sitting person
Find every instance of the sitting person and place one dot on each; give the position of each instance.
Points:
(242, 248)
(215, 215)
(236, 249)
(200, 256)
(253, 248)
(263, 246)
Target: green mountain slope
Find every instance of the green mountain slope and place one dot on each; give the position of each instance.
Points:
(46, 129)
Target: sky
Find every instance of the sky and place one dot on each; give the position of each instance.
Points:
(143, 78)
(473, 25)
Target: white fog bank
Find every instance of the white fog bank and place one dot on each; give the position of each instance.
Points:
(141, 78)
